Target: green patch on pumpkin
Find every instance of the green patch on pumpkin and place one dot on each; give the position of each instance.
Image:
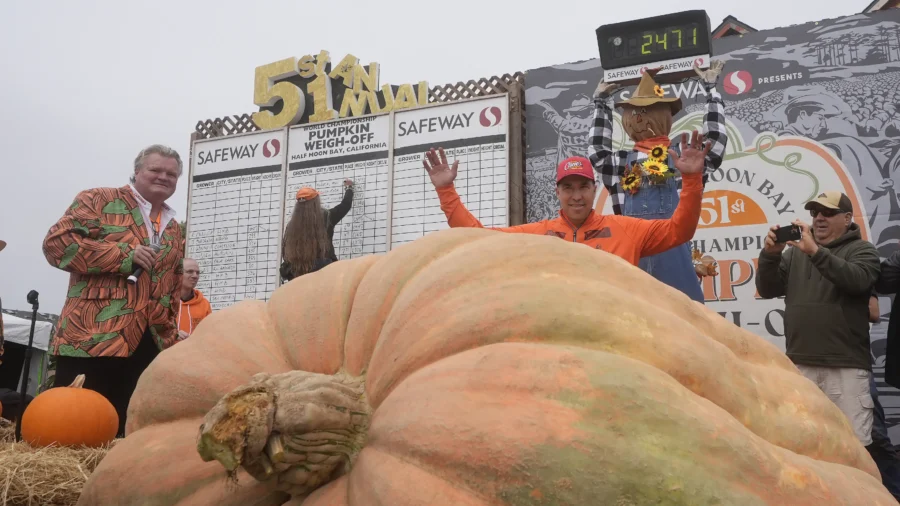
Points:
(635, 441)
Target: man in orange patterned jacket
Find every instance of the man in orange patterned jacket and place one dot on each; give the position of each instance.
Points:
(110, 330)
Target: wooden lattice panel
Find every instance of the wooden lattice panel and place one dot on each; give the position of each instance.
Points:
(479, 88)
(220, 127)
(241, 123)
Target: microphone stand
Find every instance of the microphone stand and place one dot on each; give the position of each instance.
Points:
(33, 300)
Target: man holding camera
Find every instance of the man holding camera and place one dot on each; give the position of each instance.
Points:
(826, 278)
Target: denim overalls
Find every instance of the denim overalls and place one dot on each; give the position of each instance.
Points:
(658, 201)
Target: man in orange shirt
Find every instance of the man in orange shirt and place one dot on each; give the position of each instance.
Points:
(192, 306)
(576, 188)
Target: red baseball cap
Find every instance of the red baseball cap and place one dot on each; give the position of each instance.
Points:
(575, 166)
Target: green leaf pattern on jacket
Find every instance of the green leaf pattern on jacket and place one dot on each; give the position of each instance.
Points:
(111, 229)
(117, 206)
(115, 308)
(68, 255)
(137, 216)
(80, 228)
(157, 275)
(77, 289)
(99, 338)
(67, 350)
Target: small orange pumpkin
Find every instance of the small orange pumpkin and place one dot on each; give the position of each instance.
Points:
(70, 416)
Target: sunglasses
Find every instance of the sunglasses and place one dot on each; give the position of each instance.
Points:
(828, 213)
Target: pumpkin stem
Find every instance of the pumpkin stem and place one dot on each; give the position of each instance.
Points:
(79, 381)
(303, 428)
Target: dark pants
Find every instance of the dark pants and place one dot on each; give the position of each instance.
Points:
(13, 359)
(112, 377)
(883, 452)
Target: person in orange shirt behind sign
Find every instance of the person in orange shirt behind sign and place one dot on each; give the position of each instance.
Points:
(576, 187)
(192, 306)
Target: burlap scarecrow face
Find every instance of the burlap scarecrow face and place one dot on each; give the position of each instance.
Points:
(647, 113)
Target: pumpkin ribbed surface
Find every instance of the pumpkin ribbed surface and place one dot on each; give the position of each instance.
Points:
(477, 368)
(70, 416)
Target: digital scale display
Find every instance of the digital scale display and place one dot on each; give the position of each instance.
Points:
(657, 44)
(672, 41)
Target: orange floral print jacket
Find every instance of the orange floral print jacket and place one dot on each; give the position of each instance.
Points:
(103, 315)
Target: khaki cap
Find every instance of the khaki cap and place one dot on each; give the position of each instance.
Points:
(831, 200)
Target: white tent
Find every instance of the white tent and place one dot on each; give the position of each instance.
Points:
(16, 330)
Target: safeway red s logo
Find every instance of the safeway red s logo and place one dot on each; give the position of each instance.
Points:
(271, 148)
(490, 116)
(738, 82)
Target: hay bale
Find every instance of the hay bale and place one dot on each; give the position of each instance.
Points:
(52, 476)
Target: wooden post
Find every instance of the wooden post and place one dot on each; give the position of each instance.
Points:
(516, 154)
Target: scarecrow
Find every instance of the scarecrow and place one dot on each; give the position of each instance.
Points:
(644, 182)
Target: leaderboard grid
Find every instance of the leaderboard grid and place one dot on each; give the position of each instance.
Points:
(243, 188)
(234, 233)
(481, 182)
(363, 230)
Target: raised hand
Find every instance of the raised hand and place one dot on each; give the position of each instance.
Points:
(693, 155)
(441, 173)
(605, 89)
(711, 75)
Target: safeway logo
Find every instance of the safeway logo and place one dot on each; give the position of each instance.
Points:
(271, 148)
(738, 82)
(490, 116)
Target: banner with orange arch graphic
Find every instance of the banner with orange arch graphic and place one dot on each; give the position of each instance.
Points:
(760, 183)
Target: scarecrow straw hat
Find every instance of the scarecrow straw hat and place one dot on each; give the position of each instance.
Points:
(649, 93)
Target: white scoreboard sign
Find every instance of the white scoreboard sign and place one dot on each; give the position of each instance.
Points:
(472, 132)
(242, 188)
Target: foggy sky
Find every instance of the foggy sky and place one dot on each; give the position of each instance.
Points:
(84, 86)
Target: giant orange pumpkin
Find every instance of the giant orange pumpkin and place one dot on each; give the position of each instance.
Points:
(475, 368)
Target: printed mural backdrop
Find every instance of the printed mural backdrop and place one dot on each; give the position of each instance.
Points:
(809, 108)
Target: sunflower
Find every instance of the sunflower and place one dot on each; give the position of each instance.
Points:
(655, 168)
(631, 182)
(659, 91)
(659, 153)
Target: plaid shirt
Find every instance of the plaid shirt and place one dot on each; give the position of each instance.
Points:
(611, 164)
